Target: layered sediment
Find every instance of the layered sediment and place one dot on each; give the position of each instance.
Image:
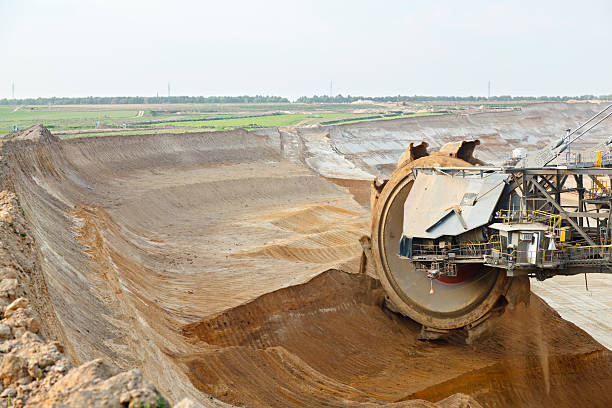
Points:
(223, 269)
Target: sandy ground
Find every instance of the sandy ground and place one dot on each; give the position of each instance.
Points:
(202, 258)
(149, 233)
(588, 309)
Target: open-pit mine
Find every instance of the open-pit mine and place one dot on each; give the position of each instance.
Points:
(232, 268)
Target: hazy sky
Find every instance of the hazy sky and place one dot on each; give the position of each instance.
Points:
(294, 48)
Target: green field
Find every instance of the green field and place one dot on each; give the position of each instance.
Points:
(66, 119)
(276, 120)
(98, 120)
(411, 115)
(61, 119)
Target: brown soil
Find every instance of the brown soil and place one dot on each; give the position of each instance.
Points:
(330, 341)
(359, 189)
(193, 256)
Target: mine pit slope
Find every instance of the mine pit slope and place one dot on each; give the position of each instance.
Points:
(349, 151)
(223, 267)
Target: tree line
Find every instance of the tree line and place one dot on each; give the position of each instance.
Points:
(417, 98)
(107, 100)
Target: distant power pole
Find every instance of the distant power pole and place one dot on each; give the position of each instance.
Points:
(168, 89)
(13, 89)
(330, 88)
(489, 91)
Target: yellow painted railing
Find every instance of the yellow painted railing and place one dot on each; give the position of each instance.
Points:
(553, 221)
(599, 188)
(597, 158)
(461, 249)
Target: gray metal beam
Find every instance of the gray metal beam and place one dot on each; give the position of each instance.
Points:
(560, 170)
(550, 171)
(562, 212)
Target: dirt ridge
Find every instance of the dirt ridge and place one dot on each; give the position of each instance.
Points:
(162, 253)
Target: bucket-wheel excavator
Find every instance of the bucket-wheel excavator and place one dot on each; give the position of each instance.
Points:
(454, 240)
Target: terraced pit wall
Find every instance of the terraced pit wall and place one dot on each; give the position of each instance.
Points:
(371, 149)
(222, 265)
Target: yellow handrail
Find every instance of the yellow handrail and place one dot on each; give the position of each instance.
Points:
(554, 220)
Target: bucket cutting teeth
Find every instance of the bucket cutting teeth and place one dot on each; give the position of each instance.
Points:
(444, 295)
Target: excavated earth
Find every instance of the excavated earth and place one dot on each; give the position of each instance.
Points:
(226, 265)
